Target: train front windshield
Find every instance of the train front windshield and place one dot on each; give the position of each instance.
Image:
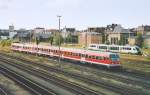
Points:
(114, 57)
(138, 50)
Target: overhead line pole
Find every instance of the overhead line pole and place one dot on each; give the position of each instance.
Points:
(59, 40)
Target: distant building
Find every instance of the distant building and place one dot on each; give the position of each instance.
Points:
(119, 35)
(86, 38)
(147, 41)
(24, 35)
(42, 33)
(4, 37)
(96, 29)
(68, 31)
(143, 29)
(12, 32)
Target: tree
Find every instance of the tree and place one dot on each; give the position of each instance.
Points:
(139, 40)
(68, 38)
(58, 39)
(51, 39)
(122, 40)
(37, 40)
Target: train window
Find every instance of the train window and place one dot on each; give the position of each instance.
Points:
(80, 54)
(77, 54)
(90, 56)
(102, 47)
(93, 46)
(83, 55)
(73, 54)
(86, 56)
(93, 57)
(126, 48)
(106, 58)
(99, 58)
(114, 48)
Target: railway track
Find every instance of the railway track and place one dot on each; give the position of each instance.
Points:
(75, 88)
(3, 91)
(118, 75)
(33, 87)
(115, 88)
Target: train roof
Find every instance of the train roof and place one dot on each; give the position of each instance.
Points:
(74, 50)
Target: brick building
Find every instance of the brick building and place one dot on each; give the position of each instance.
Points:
(86, 38)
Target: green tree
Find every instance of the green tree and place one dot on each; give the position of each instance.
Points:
(51, 39)
(58, 39)
(37, 40)
(68, 38)
(139, 40)
(4, 43)
(122, 40)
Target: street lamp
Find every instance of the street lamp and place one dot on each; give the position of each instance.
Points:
(59, 39)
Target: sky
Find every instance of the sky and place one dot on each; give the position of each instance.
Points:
(79, 14)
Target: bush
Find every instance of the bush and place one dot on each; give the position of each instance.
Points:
(4, 43)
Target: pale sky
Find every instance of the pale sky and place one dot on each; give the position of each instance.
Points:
(75, 13)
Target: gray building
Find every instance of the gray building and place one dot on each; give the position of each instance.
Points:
(12, 32)
(41, 33)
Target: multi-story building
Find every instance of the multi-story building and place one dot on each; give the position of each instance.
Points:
(24, 35)
(4, 34)
(70, 35)
(12, 32)
(86, 38)
(41, 33)
(68, 31)
(119, 35)
(143, 29)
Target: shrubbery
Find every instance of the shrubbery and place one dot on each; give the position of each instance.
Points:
(4, 43)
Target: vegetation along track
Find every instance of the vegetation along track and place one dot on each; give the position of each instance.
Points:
(33, 87)
(77, 89)
(113, 87)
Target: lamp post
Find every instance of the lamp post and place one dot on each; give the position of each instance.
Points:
(59, 39)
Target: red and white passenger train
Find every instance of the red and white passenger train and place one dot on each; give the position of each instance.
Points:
(101, 58)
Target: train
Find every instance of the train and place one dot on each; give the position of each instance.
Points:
(116, 48)
(106, 59)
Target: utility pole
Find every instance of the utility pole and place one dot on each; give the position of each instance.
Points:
(59, 40)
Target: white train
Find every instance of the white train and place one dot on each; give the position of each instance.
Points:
(115, 48)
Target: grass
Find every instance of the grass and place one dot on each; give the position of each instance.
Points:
(146, 50)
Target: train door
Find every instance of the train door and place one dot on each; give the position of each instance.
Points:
(83, 58)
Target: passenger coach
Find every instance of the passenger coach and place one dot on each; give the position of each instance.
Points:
(101, 58)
